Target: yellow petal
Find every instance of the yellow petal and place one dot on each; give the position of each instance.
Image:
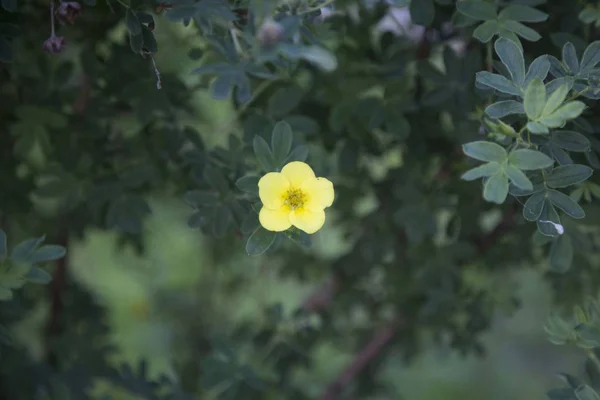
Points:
(271, 190)
(306, 220)
(275, 220)
(297, 173)
(319, 192)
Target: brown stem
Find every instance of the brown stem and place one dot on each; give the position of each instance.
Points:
(362, 359)
(506, 224)
(56, 288)
(322, 297)
(84, 95)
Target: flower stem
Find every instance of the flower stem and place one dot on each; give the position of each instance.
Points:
(52, 18)
(490, 62)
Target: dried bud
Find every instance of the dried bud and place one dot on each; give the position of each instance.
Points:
(54, 44)
(68, 11)
(270, 33)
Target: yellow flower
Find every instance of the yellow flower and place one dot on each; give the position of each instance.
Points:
(294, 196)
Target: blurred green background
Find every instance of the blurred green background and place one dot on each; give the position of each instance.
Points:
(156, 301)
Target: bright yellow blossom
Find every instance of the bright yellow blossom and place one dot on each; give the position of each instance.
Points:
(294, 196)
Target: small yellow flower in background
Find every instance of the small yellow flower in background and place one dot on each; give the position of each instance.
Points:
(294, 196)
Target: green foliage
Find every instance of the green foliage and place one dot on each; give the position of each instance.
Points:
(506, 22)
(108, 109)
(21, 265)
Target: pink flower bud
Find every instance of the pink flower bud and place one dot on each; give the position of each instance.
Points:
(270, 33)
(68, 11)
(54, 44)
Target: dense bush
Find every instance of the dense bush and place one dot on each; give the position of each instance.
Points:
(460, 138)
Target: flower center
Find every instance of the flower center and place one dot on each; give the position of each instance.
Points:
(294, 198)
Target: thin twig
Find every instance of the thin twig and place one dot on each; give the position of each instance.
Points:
(362, 359)
(317, 7)
(156, 72)
(257, 92)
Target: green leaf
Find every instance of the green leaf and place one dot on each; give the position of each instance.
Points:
(591, 57)
(523, 31)
(149, 40)
(485, 151)
(260, 241)
(556, 99)
(567, 175)
(133, 24)
(281, 142)
(197, 198)
(248, 184)
(561, 254)
(563, 114)
(548, 220)
(486, 31)
(498, 82)
(215, 178)
(569, 56)
(566, 204)
(3, 246)
(48, 252)
(571, 140)
(300, 153)
(222, 86)
(284, 100)
(495, 189)
(537, 128)
(9, 5)
(518, 178)
(532, 209)
(422, 12)
(476, 9)
(136, 42)
(484, 170)
(319, 57)
(263, 154)
(299, 237)
(522, 13)
(250, 223)
(503, 32)
(22, 251)
(534, 99)
(511, 56)
(584, 392)
(501, 109)
(529, 160)
(38, 275)
(588, 15)
(539, 68)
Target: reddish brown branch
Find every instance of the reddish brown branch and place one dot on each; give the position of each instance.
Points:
(362, 359)
(506, 224)
(322, 297)
(56, 288)
(84, 95)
